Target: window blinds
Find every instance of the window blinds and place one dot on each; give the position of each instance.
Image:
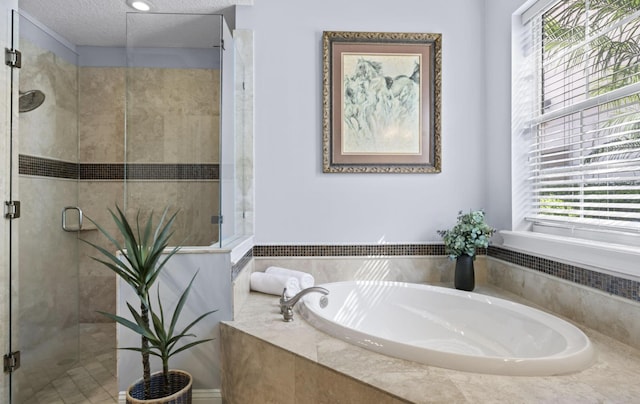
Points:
(584, 156)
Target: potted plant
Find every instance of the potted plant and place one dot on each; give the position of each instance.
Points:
(461, 241)
(141, 264)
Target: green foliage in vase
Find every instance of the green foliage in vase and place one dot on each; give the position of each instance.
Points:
(470, 233)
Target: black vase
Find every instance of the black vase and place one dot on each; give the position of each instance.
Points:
(464, 277)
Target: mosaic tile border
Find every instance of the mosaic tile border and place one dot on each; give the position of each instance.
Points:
(105, 171)
(621, 287)
(242, 262)
(39, 166)
(150, 171)
(347, 250)
(43, 167)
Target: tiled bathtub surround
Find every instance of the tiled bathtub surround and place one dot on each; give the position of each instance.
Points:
(617, 286)
(322, 369)
(429, 269)
(241, 264)
(305, 365)
(329, 263)
(603, 302)
(348, 250)
(614, 316)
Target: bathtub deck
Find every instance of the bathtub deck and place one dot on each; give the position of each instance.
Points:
(612, 378)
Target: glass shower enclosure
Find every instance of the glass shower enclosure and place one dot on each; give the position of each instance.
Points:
(45, 270)
(156, 131)
(179, 142)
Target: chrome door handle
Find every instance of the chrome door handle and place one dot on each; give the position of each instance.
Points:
(64, 218)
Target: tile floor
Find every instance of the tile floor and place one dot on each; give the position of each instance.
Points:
(91, 380)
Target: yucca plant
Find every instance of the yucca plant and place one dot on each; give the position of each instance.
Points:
(141, 264)
(163, 340)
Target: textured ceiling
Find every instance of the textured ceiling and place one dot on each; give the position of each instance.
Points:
(103, 22)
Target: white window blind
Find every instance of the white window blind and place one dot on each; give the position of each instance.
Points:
(584, 156)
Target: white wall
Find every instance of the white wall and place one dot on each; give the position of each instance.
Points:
(497, 49)
(295, 201)
(210, 291)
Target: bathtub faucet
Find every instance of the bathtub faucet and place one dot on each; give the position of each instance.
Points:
(286, 305)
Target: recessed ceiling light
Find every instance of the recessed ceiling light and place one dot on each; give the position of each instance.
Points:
(139, 5)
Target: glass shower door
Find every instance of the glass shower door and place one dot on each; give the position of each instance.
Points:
(173, 121)
(229, 188)
(46, 268)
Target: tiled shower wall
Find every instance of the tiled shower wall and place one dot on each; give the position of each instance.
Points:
(171, 147)
(101, 122)
(173, 117)
(47, 255)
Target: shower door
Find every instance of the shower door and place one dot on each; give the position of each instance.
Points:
(44, 266)
(230, 208)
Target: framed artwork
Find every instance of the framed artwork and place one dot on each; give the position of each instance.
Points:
(381, 102)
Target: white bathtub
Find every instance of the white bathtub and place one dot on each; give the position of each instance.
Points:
(449, 328)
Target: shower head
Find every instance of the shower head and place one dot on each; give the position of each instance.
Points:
(30, 100)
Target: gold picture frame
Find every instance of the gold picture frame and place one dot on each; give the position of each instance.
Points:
(381, 102)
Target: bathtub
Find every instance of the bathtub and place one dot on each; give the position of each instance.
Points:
(449, 328)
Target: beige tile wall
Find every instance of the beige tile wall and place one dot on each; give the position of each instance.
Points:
(420, 269)
(172, 117)
(611, 315)
(609, 321)
(47, 279)
(289, 379)
(51, 130)
(101, 137)
(101, 114)
(195, 201)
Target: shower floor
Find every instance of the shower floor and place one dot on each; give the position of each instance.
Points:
(91, 380)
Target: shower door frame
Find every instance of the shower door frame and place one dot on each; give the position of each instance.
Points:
(9, 247)
(11, 276)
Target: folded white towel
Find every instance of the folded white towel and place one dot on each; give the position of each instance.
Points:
(306, 280)
(274, 284)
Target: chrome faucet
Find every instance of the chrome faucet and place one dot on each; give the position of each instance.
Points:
(286, 305)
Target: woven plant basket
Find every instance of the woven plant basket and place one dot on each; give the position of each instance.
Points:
(180, 389)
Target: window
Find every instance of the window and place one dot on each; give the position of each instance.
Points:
(581, 121)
